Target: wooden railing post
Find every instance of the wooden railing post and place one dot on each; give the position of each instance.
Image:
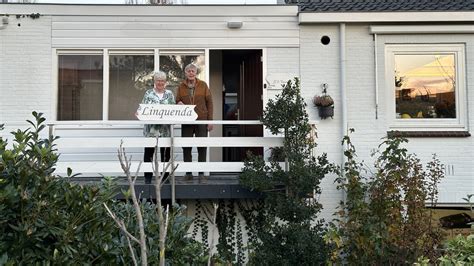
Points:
(50, 130)
(172, 158)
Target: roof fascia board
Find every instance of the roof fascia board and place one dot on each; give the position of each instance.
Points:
(339, 17)
(141, 10)
(421, 29)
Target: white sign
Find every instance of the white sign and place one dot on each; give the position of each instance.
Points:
(166, 112)
(275, 81)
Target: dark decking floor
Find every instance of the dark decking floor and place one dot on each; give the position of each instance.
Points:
(221, 186)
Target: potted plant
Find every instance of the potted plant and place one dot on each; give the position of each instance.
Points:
(325, 105)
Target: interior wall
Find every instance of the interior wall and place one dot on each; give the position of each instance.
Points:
(215, 85)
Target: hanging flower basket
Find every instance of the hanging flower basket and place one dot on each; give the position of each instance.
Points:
(326, 111)
(325, 105)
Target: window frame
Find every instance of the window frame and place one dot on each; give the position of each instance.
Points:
(450, 124)
(112, 52)
(106, 52)
(55, 65)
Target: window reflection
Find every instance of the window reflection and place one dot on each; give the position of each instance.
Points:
(173, 65)
(129, 77)
(425, 86)
(80, 79)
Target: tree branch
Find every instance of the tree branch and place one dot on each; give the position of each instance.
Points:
(126, 163)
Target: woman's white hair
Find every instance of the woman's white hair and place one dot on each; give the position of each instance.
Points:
(191, 66)
(159, 75)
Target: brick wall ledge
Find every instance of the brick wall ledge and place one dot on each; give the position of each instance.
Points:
(428, 134)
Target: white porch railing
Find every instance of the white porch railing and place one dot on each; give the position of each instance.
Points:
(112, 167)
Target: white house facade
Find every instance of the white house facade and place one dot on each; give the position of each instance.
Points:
(390, 71)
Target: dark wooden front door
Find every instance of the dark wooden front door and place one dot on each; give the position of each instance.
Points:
(243, 82)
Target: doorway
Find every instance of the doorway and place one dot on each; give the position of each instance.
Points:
(241, 98)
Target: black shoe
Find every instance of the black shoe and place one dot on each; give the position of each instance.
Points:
(188, 176)
(148, 178)
(202, 178)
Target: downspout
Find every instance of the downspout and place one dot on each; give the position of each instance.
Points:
(342, 82)
(376, 78)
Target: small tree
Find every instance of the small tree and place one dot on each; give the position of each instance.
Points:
(162, 233)
(384, 219)
(290, 233)
(162, 215)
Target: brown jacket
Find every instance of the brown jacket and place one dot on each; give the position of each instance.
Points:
(202, 98)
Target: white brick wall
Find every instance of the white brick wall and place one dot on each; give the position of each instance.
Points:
(456, 152)
(319, 64)
(25, 79)
(281, 60)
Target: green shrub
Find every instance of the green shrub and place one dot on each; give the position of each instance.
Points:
(286, 230)
(459, 251)
(181, 249)
(44, 218)
(384, 219)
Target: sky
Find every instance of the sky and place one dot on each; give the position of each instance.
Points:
(192, 2)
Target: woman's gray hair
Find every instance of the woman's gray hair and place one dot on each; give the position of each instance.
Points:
(191, 66)
(159, 75)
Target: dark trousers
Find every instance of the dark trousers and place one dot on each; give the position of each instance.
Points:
(198, 131)
(165, 154)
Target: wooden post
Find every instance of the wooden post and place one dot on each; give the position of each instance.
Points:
(51, 130)
(172, 158)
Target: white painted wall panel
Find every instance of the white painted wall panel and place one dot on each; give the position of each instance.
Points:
(172, 42)
(62, 19)
(170, 33)
(320, 64)
(281, 61)
(25, 67)
(196, 30)
(457, 153)
(158, 10)
(126, 23)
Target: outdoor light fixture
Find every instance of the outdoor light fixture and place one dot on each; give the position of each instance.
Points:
(234, 24)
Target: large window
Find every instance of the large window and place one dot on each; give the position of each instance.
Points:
(81, 87)
(129, 77)
(427, 85)
(173, 64)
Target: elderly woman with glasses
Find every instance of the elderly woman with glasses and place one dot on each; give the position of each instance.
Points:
(157, 95)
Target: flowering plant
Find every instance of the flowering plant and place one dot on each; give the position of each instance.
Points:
(323, 100)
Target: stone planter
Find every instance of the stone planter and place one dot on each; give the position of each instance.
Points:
(326, 111)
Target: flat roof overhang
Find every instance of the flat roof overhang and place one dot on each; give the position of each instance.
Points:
(150, 10)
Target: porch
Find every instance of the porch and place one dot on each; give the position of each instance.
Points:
(217, 186)
(89, 148)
